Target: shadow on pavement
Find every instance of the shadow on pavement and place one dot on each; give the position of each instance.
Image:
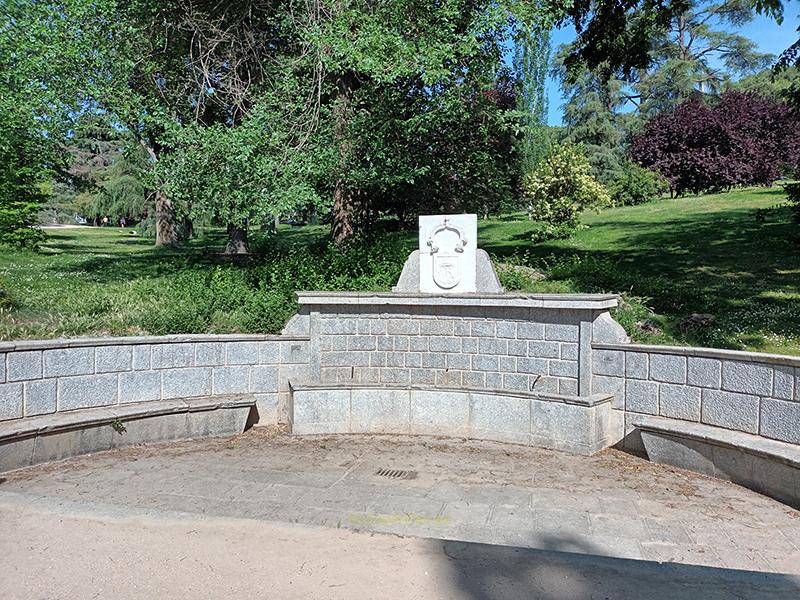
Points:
(488, 572)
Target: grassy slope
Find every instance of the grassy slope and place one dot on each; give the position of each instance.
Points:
(670, 258)
(705, 254)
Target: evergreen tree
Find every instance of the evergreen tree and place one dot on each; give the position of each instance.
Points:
(591, 116)
(699, 53)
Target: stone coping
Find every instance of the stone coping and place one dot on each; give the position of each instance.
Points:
(739, 355)
(772, 449)
(587, 401)
(554, 301)
(18, 345)
(87, 417)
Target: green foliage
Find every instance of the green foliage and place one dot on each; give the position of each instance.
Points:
(700, 52)
(669, 258)
(561, 189)
(236, 174)
(420, 151)
(591, 116)
(771, 83)
(21, 175)
(531, 61)
(636, 185)
(260, 297)
(793, 195)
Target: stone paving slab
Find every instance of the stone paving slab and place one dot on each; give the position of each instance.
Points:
(56, 548)
(612, 504)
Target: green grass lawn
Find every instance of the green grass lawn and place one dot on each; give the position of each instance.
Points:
(669, 259)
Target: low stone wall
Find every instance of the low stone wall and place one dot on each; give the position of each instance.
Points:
(520, 358)
(535, 343)
(741, 391)
(44, 377)
(578, 425)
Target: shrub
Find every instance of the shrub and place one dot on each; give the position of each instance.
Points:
(260, 298)
(636, 185)
(560, 189)
(793, 194)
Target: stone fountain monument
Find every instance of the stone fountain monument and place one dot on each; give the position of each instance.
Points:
(449, 352)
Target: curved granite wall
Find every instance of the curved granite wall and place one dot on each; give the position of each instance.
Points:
(52, 376)
(749, 392)
(548, 351)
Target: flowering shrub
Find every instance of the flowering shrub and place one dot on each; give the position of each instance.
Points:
(560, 190)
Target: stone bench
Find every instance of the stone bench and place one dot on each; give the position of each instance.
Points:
(581, 425)
(34, 440)
(766, 466)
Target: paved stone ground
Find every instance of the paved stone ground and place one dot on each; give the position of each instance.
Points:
(611, 505)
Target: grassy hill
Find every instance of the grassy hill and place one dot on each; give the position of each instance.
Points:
(709, 254)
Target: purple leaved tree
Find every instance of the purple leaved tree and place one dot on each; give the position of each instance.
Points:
(741, 139)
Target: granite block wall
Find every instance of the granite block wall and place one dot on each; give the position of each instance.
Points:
(43, 377)
(742, 391)
(515, 417)
(506, 349)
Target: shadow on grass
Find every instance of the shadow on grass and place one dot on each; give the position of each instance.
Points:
(570, 569)
(724, 263)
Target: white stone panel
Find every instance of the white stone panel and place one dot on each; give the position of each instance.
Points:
(447, 246)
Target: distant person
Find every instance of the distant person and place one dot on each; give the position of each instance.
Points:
(105, 221)
(122, 222)
(97, 220)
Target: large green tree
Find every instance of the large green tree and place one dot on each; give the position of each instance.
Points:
(42, 89)
(700, 52)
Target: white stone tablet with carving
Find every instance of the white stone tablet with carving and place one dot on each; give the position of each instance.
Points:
(447, 245)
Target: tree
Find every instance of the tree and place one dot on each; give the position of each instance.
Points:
(531, 61)
(451, 149)
(236, 175)
(744, 139)
(21, 176)
(359, 47)
(699, 54)
(591, 116)
(41, 90)
(772, 83)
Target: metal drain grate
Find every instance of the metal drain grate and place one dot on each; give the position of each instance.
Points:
(396, 474)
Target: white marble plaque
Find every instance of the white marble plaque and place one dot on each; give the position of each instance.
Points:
(447, 245)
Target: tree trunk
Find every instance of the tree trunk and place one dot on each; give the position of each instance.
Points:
(237, 240)
(188, 229)
(343, 208)
(343, 196)
(166, 226)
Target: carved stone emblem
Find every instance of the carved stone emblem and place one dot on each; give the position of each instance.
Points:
(446, 259)
(447, 253)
